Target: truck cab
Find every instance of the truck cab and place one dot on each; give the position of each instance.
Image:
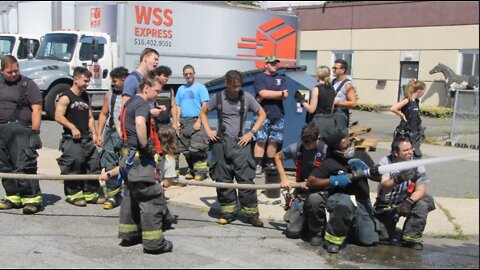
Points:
(19, 45)
(59, 53)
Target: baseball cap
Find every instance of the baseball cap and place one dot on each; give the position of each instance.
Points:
(271, 59)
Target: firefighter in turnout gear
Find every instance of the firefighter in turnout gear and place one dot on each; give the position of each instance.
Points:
(144, 206)
(20, 119)
(79, 141)
(334, 172)
(403, 193)
(306, 205)
(231, 151)
(108, 134)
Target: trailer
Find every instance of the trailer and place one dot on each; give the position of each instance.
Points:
(214, 38)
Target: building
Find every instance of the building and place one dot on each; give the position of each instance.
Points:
(388, 43)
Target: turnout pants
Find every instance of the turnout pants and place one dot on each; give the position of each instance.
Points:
(109, 158)
(387, 218)
(144, 208)
(193, 145)
(79, 157)
(315, 209)
(231, 160)
(347, 219)
(16, 156)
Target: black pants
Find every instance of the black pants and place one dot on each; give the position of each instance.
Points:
(16, 156)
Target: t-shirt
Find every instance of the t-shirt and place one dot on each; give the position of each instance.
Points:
(273, 108)
(164, 98)
(9, 94)
(136, 106)
(231, 111)
(77, 112)
(131, 84)
(190, 99)
(397, 194)
(331, 166)
(309, 157)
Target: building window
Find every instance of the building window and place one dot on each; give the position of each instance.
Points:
(309, 59)
(347, 56)
(469, 63)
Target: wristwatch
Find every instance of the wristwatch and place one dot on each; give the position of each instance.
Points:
(253, 131)
(109, 175)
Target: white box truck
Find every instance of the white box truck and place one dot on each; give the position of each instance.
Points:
(212, 38)
(19, 45)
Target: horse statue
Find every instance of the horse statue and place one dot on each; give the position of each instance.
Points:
(454, 81)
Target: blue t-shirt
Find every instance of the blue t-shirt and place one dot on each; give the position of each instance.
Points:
(273, 108)
(190, 99)
(131, 83)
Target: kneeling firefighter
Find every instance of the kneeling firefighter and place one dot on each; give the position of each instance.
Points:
(306, 208)
(144, 206)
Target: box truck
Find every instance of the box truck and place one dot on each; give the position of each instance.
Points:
(22, 46)
(214, 38)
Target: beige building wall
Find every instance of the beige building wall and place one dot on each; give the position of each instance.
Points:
(377, 54)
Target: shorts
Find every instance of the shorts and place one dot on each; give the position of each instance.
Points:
(271, 130)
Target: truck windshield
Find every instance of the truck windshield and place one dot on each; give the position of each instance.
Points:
(57, 47)
(6, 45)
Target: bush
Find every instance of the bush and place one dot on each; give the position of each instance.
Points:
(429, 111)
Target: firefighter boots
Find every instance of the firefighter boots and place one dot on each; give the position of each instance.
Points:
(167, 246)
(255, 221)
(30, 209)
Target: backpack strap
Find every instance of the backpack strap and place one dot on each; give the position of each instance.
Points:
(137, 76)
(341, 84)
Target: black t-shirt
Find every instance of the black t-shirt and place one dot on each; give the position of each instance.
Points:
(77, 112)
(332, 166)
(9, 95)
(308, 158)
(136, 106)
(165, 98)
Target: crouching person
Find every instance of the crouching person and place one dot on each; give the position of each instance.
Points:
(144, 205)
(403, 193)
(305, 205)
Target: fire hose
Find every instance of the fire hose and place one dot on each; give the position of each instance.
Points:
(366, 173)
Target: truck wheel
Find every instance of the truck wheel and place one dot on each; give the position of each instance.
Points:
(52, 98)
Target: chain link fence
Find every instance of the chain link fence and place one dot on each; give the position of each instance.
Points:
(465, 125)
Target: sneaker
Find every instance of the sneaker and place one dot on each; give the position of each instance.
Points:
(225, 220)
(258, 171)
(78, 202)
(413, 245)
(332, 248)
(129, 243)
(166, 247)
(30, 209)
(255, 221)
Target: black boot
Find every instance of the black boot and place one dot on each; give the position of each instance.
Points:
(167, 246)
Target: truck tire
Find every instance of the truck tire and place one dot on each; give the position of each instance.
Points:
(52, 98)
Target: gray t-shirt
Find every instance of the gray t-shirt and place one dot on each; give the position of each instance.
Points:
(136, 106)
(397, 194)
(9, 94)
(231, 111)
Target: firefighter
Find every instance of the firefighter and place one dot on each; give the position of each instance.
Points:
(403, 194)
(79, 141)
(192, 139)
(143, 207)
(108, 134)
(231, 151)
(20, 118)
(305, 204)
(344, 216)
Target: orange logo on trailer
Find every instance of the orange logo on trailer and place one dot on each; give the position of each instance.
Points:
(274, 37)
(95, 15)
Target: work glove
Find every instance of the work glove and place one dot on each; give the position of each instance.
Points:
(357, 164)
(299, 97)
(405, 207)
(405, 175)
(35, 141)
(340, 181)
(374, 171)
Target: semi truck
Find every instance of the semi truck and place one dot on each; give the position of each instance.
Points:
(22, 46)
(214, 38)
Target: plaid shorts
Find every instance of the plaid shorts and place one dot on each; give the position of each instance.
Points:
(271, 130)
